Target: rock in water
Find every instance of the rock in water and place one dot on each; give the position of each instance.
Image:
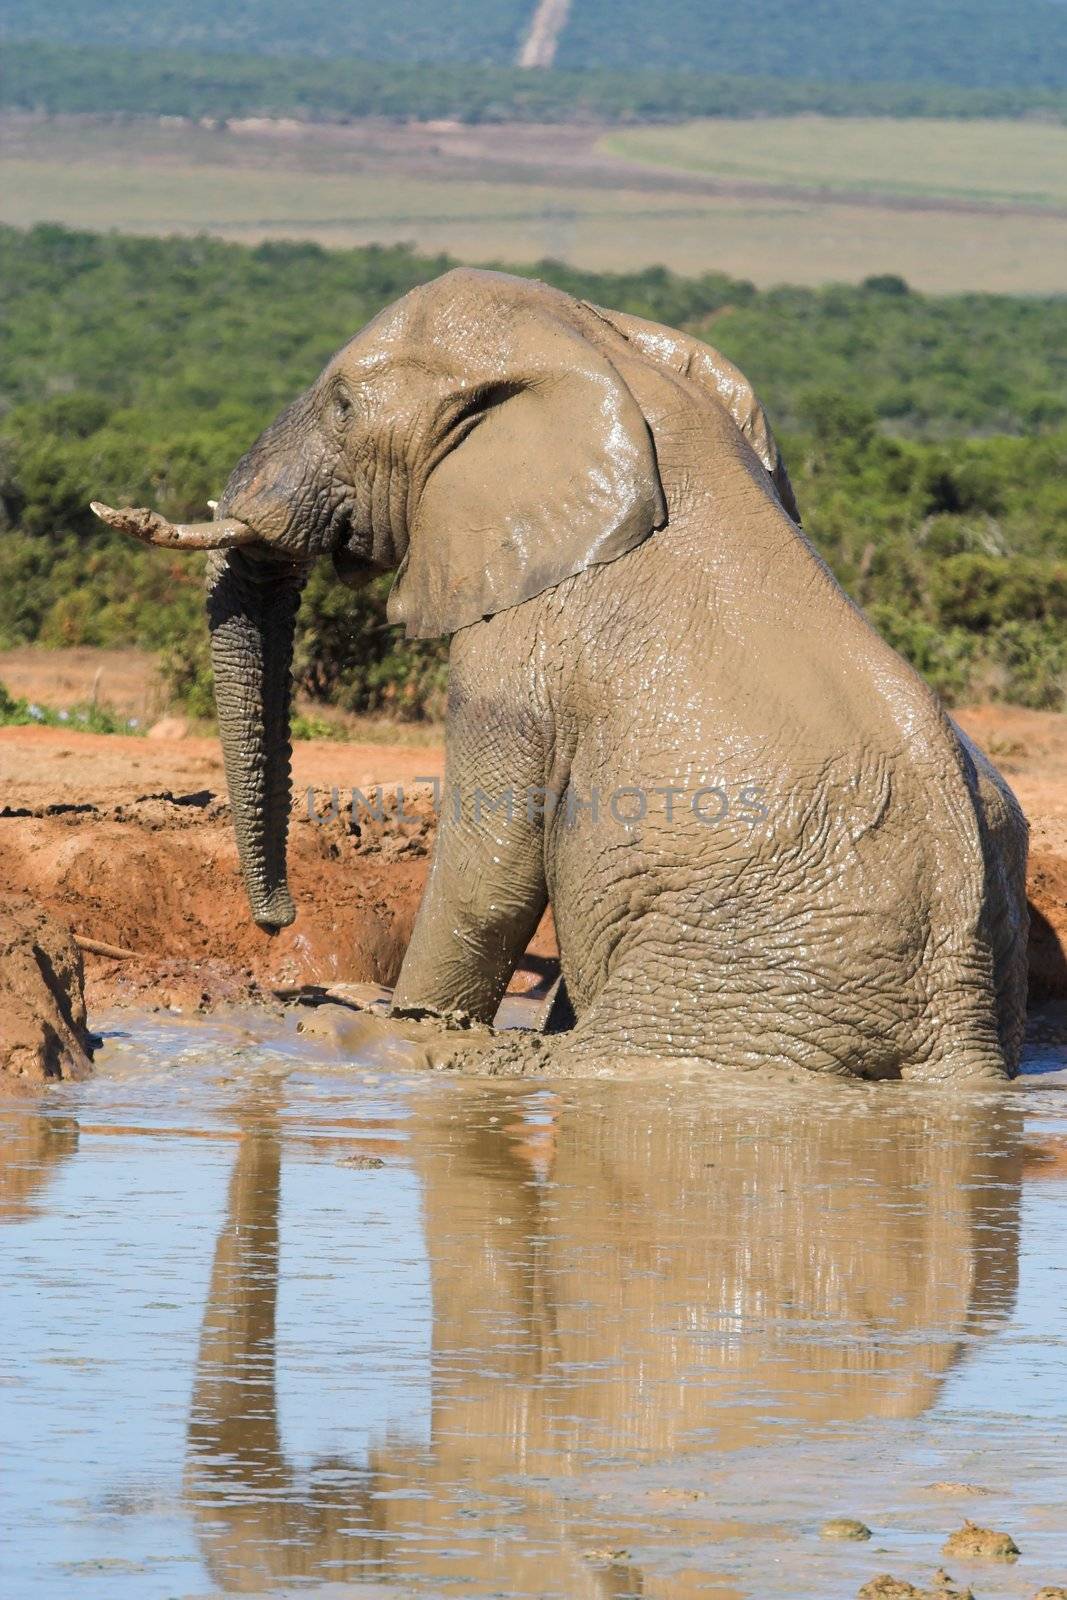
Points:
(887, 1587)
(890, 1588)
(43, 1035)
(981, 1544)
(844, 1528)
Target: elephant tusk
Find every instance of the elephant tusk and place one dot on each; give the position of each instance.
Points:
(151, 528)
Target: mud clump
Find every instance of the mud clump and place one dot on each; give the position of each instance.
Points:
(509, 1055)
(420, 1040)
(844, 1528)
(950, 1486)
(184, 985)
(889, 1588)
(43, 1035)
(981, 1544)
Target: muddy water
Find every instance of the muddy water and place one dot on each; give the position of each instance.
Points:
(272, 1325)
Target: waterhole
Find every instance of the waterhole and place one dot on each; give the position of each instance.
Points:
(277, 1324)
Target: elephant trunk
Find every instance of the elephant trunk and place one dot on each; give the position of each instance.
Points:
(252, 606)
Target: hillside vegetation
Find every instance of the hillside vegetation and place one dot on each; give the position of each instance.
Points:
(403, 30)
(112, 80)
(971, 43)
(927, 439)
(980, 43)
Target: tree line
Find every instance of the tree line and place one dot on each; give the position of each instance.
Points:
(57, 79)
(972, 43)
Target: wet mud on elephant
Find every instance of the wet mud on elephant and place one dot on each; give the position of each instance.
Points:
(763, 841)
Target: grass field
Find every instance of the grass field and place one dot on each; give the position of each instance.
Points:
(997, 163)
(949, 206)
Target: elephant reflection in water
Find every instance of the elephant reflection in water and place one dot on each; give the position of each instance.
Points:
(611, 1283)
(33, 1144)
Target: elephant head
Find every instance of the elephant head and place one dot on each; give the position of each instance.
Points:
(474, 436)
(482, 435)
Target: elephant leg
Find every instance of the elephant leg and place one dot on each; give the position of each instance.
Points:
(484, 897)
(486, 889)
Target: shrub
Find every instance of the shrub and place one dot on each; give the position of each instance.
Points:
(1033, 663)
(349, 654)
(945, 658)
(980, 592)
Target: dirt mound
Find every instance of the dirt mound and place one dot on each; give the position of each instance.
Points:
(1047, 891)
(158, 876)
(42, 999)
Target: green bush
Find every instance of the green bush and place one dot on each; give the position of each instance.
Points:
(350, 655)
(186, 675)
(1033, 660)
(979, 592)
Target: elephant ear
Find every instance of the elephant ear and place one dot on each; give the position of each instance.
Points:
(546, 466)
(710, 370)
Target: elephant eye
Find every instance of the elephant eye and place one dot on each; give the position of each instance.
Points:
(342, 407)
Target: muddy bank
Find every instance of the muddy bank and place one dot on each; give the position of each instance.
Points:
(43, 1033)
(128, 842)
(1046, 881)
(156, 876)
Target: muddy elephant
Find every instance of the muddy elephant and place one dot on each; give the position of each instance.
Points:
(762, 839)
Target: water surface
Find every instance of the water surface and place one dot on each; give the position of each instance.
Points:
(273, 1324)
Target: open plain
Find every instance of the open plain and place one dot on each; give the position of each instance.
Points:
(948, 206)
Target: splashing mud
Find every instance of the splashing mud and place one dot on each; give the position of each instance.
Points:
(277, 1322)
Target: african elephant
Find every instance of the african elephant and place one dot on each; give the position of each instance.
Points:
(762, 839)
